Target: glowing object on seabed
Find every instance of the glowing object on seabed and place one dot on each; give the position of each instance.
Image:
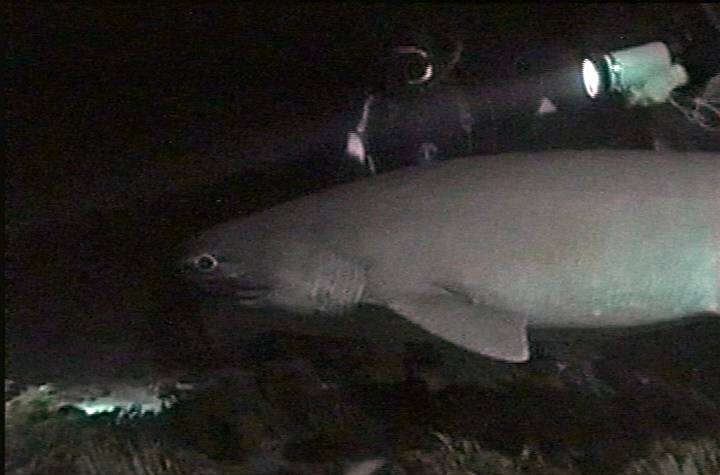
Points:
(98, 407)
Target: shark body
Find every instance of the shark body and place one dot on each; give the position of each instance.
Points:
(478, 249)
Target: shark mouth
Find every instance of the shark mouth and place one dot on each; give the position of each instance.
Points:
(248, 294)
(339, 284)
(230, 286)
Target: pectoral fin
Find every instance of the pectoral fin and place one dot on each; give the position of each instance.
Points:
(480, 329)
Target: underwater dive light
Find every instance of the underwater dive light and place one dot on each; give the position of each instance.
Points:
(643, 74)
(591, 78)
(550, 79)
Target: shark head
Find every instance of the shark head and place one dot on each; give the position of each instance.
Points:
(264, 269)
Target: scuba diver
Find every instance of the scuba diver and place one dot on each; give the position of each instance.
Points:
(418, 116)
(436, 102)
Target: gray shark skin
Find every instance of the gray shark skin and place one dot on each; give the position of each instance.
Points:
(478, 249)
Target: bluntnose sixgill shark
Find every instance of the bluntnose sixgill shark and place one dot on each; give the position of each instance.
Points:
(479, 248)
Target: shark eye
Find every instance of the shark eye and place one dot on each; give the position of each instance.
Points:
(206, 263)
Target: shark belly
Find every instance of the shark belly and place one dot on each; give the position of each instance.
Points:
(646, 266)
